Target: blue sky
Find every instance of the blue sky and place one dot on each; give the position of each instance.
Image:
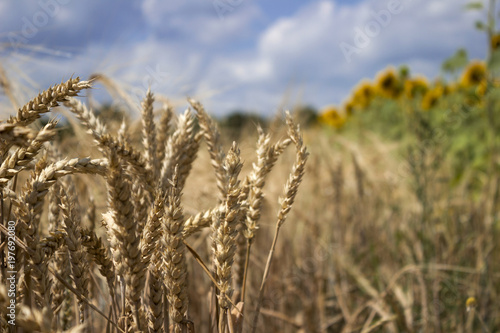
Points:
(252, 55)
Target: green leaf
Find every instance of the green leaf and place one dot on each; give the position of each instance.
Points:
(456, 62)
(476, 5)
(494, 62)
(480, 25)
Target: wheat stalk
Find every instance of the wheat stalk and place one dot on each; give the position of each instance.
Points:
(286, 202)
(7, 87)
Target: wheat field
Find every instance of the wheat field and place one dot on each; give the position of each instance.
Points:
(166, 224)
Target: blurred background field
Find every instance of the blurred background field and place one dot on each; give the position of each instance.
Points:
(396, 224)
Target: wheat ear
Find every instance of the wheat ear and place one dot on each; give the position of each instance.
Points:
(61, 264)
(199, 221)
(100, 255)
(123, 235)
(163, 130)
(181, 151)
(212, 138)
(20, 159)
(13, 135)
(78, 259)
(29, 207)
(106, 142)
(224, 232)
(174, 260)
(155, 313)
(48, 99)
(152, 231)
(149, 134)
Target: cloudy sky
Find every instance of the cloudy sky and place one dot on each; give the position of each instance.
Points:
(253, 55)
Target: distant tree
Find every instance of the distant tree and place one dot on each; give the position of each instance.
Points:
(306, 115)
(240, 121)
(112, 113)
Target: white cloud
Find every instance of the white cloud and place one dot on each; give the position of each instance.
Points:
(304, 48)
(199, 20)
(194, 50)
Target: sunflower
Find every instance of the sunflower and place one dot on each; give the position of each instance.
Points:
(470, 303)
(349, 107)
(388, 84)
(416, 86)
(482, 88)
(495, 41)
(448, 88)
(363, 94)
(474, 74)
(431, 97)
(331, 116)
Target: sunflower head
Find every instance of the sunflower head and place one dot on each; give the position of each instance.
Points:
(416, 86)
(482, 88)
(474, 74)
(431, 97)
(349, 107)
(331, 116)
(470, 303)
(388, 84)
(363, 94)
(495, 41)
(448, 88)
